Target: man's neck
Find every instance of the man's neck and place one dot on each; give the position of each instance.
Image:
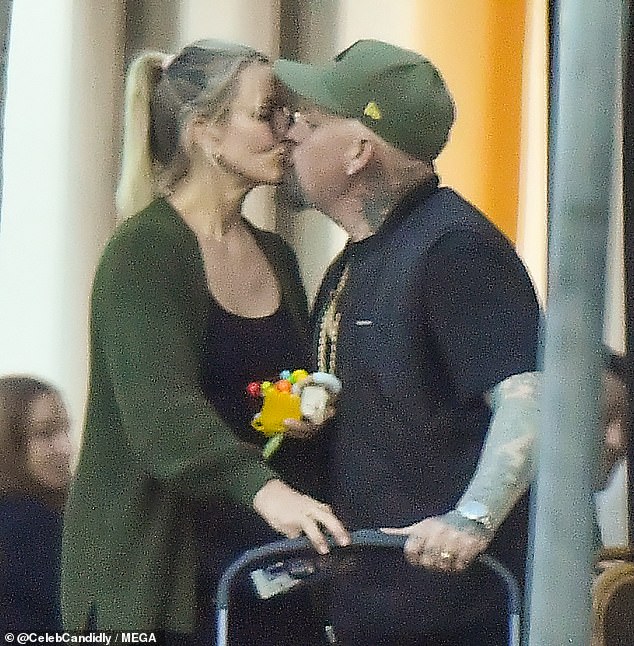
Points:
(361, 215)
(351, 217)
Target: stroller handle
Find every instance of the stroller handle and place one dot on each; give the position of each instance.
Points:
(358, 538)
(290, 546)
(361, 538)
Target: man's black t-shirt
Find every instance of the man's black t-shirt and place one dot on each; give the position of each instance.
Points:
(437, 310)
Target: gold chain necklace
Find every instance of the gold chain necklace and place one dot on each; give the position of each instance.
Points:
(329, 328)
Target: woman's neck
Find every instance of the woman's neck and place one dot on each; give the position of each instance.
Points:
(210, 206)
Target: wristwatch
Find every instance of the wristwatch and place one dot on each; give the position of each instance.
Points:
(477, 512)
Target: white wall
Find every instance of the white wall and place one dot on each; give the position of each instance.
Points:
(34, 199)
(252, 22)
(59, 160)
(396, 22)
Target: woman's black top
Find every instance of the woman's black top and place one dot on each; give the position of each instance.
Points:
(238, 351)
(241, 350)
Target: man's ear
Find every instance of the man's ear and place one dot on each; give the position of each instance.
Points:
(360, 154)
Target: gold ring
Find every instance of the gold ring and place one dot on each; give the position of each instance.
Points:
(445, 556)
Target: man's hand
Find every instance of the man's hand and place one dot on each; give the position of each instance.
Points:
(435, 544)
(304, 429)
(293, 514)
(318, 394)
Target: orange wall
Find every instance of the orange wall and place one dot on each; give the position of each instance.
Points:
(478, 47)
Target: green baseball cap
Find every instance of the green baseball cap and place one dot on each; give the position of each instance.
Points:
(395, 92)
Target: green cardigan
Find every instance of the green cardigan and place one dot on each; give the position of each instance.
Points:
(152, 444)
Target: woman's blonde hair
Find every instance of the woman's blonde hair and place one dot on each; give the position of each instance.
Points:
(162, 94)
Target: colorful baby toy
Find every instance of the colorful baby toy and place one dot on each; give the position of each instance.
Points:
(295, 395)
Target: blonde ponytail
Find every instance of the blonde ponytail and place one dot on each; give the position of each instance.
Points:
(137, 182)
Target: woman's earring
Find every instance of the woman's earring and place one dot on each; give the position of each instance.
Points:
(216, 158)
(219, 161)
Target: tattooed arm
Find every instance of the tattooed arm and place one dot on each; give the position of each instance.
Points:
(504, 472)
(507, 462)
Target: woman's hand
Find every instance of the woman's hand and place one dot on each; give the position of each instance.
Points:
(293, 514)
(434, 544)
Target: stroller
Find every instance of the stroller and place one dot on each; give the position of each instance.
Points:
(361, 539)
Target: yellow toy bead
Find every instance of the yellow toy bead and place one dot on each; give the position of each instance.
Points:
(298, 375)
